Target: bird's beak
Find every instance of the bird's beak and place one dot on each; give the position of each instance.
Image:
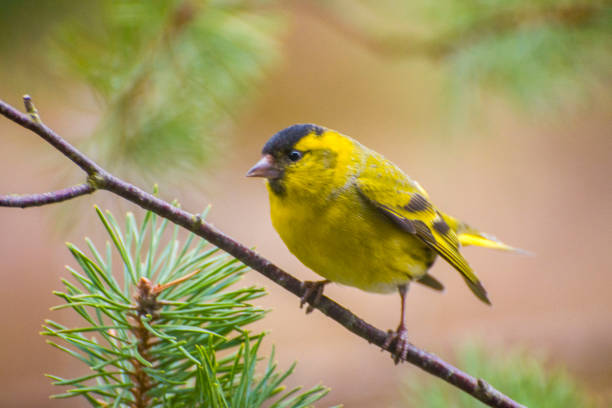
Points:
(266, 167)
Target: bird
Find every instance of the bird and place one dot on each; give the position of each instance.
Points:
(356, 219)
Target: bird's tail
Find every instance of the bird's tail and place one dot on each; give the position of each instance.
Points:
(471, 236)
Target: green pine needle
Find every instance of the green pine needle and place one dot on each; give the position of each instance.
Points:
(163, 349)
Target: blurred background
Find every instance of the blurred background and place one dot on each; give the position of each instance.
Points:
(500, 109)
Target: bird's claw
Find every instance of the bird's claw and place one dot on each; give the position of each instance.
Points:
(397, 343)
(312, 294)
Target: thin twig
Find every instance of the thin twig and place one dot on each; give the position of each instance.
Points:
(100, 179)
(36, 126)
(34, 200)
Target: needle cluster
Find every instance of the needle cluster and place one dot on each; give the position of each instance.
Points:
(180, 342)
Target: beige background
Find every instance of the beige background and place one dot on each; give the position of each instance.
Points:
(540, 182)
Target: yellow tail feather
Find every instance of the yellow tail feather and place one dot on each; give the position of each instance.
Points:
(483, 240)
(471, 236)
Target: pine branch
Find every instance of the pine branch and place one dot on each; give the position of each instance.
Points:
(152, 344)
(147, 304)
(569, 15)
(100, 179)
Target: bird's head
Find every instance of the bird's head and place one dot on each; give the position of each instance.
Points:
(305, 159)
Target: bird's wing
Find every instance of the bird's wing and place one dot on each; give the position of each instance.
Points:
(406, 203)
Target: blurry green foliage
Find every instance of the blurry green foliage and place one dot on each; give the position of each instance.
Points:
(169, 75)
(522, 377)
(540, 54)
(21, 33)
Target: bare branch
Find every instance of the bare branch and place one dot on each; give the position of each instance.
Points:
(35, 200)
(100, 179)
(36, 126)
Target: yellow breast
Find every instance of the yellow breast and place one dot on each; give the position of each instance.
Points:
(344, 239)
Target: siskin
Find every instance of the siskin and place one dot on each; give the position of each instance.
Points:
(355, 218)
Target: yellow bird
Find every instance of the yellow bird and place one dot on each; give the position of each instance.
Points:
(355, 218)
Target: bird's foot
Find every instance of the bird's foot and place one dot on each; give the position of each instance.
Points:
(312, 294)
(397, 343)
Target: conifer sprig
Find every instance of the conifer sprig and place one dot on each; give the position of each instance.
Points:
(149, 344)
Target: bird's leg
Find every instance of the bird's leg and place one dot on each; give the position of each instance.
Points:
(313, 293)
(397, 340)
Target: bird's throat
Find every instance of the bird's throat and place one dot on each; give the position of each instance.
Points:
(277, 186)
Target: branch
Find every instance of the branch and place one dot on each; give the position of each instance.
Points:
(99, 178)
(35, 200)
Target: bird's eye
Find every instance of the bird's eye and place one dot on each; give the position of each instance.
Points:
(295, 155)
